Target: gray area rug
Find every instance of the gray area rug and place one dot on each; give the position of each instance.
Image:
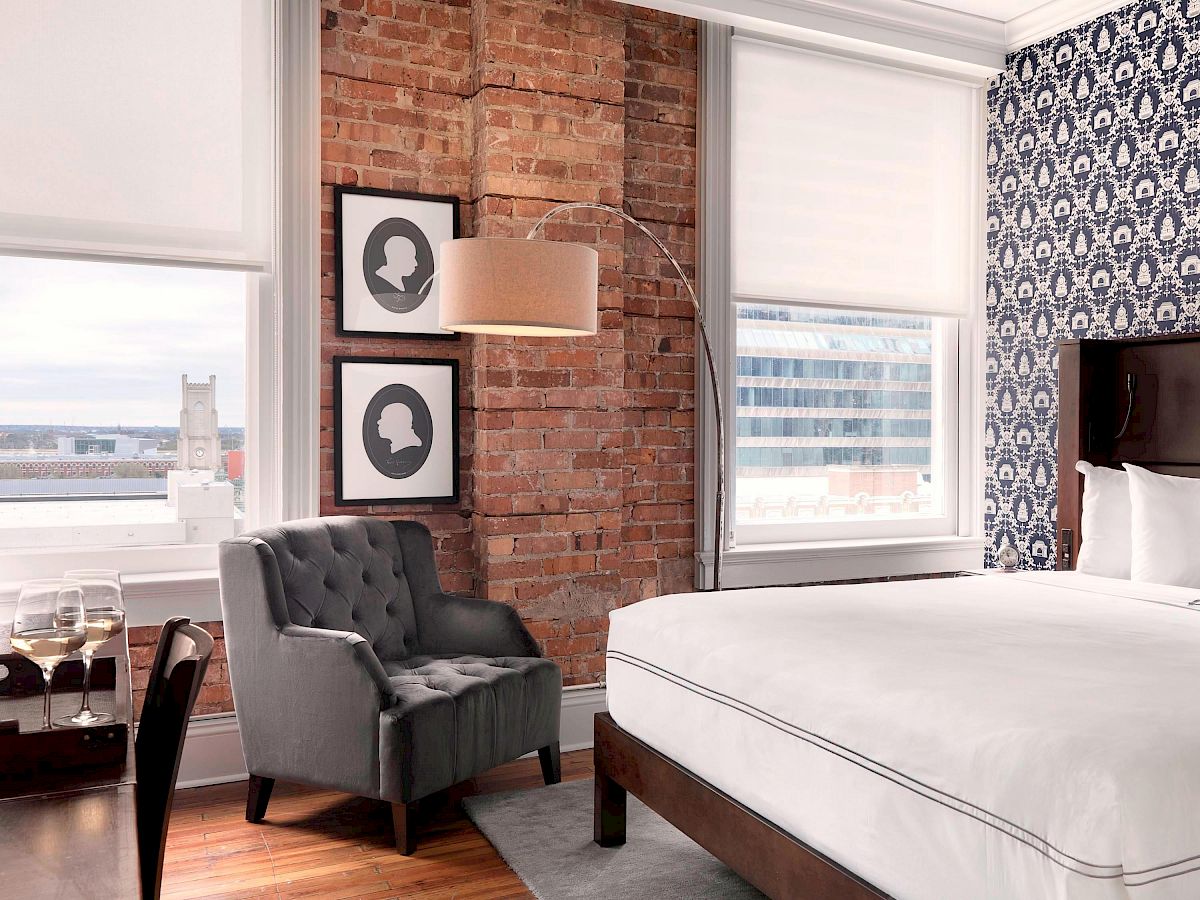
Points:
(545, 835)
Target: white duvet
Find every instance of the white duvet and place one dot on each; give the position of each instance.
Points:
(1001, 736)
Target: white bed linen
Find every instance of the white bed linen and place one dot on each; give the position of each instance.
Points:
(1029, 735)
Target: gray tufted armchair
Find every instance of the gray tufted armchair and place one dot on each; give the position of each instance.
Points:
(352, 670)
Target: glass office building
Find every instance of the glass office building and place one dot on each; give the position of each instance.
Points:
(832, 405)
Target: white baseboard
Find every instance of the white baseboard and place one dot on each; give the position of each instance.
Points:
(212, 753)
(579, 708)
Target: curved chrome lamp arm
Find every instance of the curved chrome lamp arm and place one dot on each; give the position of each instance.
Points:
(719, 533)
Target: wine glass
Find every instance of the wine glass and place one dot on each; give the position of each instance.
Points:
(104, 613)
(48, 626)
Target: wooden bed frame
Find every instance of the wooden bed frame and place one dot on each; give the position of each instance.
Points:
(1162, 433)
(762, 853)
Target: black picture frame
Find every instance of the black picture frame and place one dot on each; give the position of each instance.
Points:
(339, 438)
(340, 193)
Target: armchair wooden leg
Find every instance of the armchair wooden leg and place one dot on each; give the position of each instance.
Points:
(551, 764)
(404, 820)
(257, 797)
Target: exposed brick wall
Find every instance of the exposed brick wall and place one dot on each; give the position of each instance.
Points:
(395, 114)
(215, 695)
(660, 190)
(576, 455)
(549, 121)
(577, 466)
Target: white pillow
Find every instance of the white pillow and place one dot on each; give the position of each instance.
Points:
(1166, 525)
(1106, 523)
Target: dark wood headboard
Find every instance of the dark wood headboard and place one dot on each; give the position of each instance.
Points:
(1163, 432)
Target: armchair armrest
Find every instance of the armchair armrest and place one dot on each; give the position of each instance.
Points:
(344, 659)
(308, 702)
(449, 624)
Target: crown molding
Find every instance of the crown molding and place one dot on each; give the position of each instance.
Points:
(911, 17)
(919, 32)
(908, 25)
(1053, 18)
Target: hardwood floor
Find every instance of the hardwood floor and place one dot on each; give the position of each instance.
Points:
(323, 844)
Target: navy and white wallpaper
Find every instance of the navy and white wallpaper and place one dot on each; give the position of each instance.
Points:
(1093, 221)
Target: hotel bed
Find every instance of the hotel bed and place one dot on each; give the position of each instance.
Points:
(998, 736)
(1008, 735)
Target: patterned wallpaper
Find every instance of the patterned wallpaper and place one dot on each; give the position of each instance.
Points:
(1093, 223)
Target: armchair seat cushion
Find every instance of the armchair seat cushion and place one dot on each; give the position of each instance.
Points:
(455, 716)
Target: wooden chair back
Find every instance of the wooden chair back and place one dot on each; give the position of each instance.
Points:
(175, 678)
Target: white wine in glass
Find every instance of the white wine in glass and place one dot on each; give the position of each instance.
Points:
(103, 623)
(47, 646)
(48, 626)
(104, 614)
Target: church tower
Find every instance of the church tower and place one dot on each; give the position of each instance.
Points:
(199, 442)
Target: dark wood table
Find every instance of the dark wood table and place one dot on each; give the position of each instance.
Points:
(71, 832)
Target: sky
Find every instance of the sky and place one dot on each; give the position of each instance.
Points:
(96, 343)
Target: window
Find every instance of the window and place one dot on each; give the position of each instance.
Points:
(100, 361)
(842, 423)
(157, 281)
(854, 256)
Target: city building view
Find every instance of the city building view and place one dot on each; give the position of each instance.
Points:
(834, 414)
(76, 485)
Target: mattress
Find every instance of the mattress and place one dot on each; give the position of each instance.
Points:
(1025, 735)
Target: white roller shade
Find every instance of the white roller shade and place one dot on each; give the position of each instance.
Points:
(140, 128)
(853, 183)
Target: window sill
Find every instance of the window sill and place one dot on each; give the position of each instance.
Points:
(762, 565)
(153, 597)
(51, 562)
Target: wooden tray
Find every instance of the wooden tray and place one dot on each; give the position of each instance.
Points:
(27, 749)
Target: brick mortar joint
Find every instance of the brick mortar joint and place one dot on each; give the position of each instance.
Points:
(540, 93)
(518, 197)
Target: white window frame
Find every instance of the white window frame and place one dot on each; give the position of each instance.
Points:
(282, 358)
(792, 554)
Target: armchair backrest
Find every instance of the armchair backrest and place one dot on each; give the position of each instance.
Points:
(350, 573)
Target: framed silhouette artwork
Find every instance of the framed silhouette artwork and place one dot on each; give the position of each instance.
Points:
(386, 246)
(395, 430)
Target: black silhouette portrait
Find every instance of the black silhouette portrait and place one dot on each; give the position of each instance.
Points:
(397, 263)
(397, 431)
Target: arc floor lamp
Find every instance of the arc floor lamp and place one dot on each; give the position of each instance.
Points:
(539, 288)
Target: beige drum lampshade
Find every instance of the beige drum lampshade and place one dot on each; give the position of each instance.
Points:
(516, 286)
